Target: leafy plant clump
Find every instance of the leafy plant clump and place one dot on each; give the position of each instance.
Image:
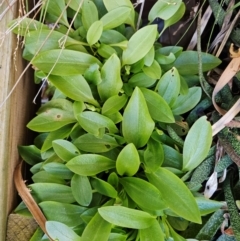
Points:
(114, 151)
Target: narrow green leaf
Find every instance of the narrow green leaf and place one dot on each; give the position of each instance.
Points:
(45, 177)
(176, 194)
(111, 78)
(112, 36)
(172, 158)
(139, 44)
(64, 62)
(30, 154)
(197, 144)
(137, 124)
(157, 106)
(62, 212)
(184, 103)
(61, 232)
(208, 206)
(94, 33)
(58, 169)
(143, 193)
(128, 161)
(126, 217)
(65, 149)
(90, 164)
(152, 233)
(149, 58)
(81, 189)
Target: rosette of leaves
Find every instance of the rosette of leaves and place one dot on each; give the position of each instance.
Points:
(106, 164)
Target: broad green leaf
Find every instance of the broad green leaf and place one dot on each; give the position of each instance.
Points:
(62, 212)
(114, 104)
(81, 189)
(62, 104)
(117, 237)
(184, 103)
(90, 164)
(164, 9)
(111, 78)
(94, 123)
(175, 194)
(112, 36)
(115, 17)
(154, 71)
(61, 133)
(45, 177)
(106, 51)
(187, 62)
(64, 62)
(126, 217)
(52, 192)
(172, 158)
(91, 143)
(58, 169)
(152, 233)
(169, 86)
(97, 229)
(207, 206)
(178, 223)
(74, 87)
(175, 236)
(137, 124)
(89, 13)
(74, 4)
(51, 120)
(57, 8)
(197, 144)
(65, 149)
(165, 59)
(79, 107)
(30, 154)
(139, 44)
(157, 106)
(94, 33)
(141, 80)
(143, 193)
(153, 155)
(149, 58)
(93, 75)
(61, 232)
(104, 188)
(128, 161)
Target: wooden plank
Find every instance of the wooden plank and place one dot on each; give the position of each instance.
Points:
(14, 114)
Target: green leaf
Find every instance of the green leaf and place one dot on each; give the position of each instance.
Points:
(152, 233)
(94, 123)
(172, 158)
(115, 17)
(91, 143)
(90, 164)
(111, 78)
(137, 124)
(58, 169)
(114, 104)
(51, 120)
(81, 189)
(94, 33)
(97, 229)
(153, 155)
(106, 51)
(187, 62)
(184, 103)
(112, 36)
(128, 161)
(117, 237)
(30, 154)
(149, 58)
(61, 232)
(64, 62)
(197, 144)
(104, 188)
(176, 194)
(93, 75)
(89, 13)
(62, 212)
(143, 193)
(157, 106)
(52, 192)
(208, 206)
(154, 71)
(74, 87)
(45, 177)
(164, 9)
(169, 86)
(139, 44)
(141, 80)
(65, 149)
(126, 217)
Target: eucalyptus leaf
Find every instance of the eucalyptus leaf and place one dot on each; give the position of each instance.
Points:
(126, 217)
(90, 164)
(137, 124)
(197, 144)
